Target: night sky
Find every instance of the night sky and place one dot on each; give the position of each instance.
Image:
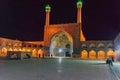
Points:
(25, 19)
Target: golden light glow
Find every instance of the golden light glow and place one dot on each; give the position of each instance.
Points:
(34, 53)
(110, 53)
(92, 54)
(15, 49)
(40, 53)
(23, 49)
(82, 37)
(10, 49)
(3, 52)
(20, 49)
(28, 50)
(84, 54)
(101, 55)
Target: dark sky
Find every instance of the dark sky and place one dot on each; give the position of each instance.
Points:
(24, 19)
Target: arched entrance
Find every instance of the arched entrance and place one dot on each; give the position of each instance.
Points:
(61, 45)
(40, 53)
(84, 54)
(3, 52)
(92, 54)
(101, 54)
(34, 53)
(110, 53)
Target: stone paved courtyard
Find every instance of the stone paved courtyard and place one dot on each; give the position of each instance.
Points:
(55, 69)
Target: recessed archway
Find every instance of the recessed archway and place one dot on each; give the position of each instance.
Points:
(110, 53)
(101, 54)
(10, 49)
(3, 52)
(34, 53)
(92, 54)
(61, 45)
(84, 54)
(40, 53)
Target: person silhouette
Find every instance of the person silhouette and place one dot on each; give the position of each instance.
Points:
(110, 61)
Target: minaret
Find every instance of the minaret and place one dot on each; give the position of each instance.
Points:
(79, 19)
(47, 9)
(79, 9)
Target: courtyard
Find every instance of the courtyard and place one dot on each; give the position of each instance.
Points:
(55, 69)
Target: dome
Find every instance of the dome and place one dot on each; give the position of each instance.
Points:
(47, 7)
(79, 3)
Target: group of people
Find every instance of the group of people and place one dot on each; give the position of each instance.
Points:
(110, 60)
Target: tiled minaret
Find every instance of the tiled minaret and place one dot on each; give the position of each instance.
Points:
(47, 9)
(79, 19)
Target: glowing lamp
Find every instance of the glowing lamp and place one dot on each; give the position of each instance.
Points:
(60, 50)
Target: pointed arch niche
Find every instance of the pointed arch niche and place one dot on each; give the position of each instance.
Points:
(92, 54)
(3, 52)
(61, 45)
(101, 54)
(84, 54)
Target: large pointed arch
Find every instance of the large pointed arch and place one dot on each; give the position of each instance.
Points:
(61, 44)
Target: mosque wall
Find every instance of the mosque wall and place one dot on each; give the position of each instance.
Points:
(8, 45)
(72, 29)
(88, 49)
(97, 49)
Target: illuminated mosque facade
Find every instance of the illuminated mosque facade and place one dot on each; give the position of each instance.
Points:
(62, 40)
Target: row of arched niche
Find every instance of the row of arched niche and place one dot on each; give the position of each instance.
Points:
(34, 52)
(99, 45)
(92, 54)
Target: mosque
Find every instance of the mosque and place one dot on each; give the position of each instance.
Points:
(62, 40)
